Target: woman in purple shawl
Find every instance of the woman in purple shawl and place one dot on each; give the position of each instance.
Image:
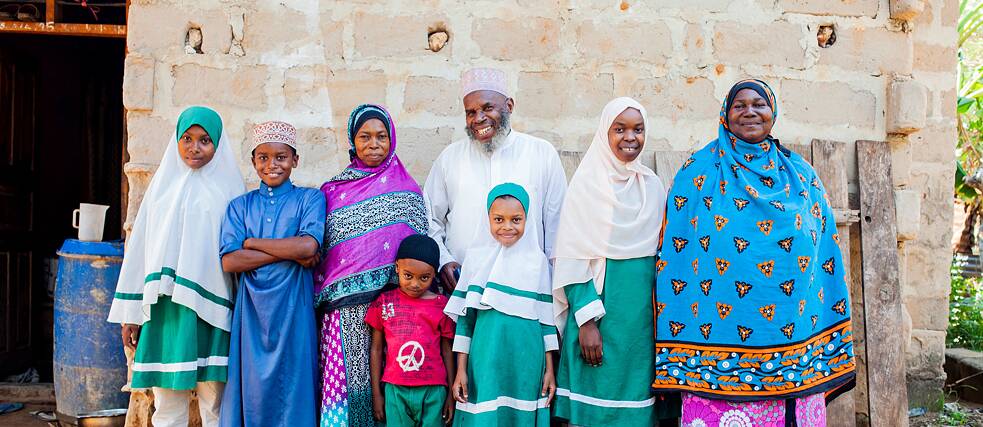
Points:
(371, 206)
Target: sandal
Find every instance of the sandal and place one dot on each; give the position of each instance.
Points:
(28, 16)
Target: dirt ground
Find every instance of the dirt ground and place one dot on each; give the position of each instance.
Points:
(956, 413)
(23, 417)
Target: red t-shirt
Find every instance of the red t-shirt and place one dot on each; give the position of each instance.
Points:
(413, 328)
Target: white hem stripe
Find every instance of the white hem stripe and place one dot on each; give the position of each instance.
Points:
(491, 405)
(605, 402)
(202, 362)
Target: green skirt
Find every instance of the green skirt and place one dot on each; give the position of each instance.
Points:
(616, 393)
(505, 373)
(176, 349)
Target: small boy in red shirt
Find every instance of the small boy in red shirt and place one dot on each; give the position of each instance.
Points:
(411, 333)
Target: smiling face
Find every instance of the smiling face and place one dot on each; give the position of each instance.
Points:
(626, 136)
(507, 220)
(273, 162)
(195, 147)
(372, 142)
(414, 276)
(486, 113)
(750, 118)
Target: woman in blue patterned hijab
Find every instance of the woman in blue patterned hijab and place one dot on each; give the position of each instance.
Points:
(753, 311)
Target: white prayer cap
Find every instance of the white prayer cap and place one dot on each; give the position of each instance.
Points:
(477, 79)
(274, 132)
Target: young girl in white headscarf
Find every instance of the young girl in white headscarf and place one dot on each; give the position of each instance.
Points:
(173, 299)
(505, 332)
(604, 277)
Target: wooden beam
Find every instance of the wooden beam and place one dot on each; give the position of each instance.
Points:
(570, 160)
(803, 150)
(667, 163)
(829, 160)
(95, 30)
(845, 217)
(49, 11)
(887, 394)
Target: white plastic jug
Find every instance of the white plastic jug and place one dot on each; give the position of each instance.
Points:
(90, 220)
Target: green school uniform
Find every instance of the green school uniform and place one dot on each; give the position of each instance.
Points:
(177, 349)
(616, 393)
(505, 370)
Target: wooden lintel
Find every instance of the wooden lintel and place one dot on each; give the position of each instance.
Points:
(96, 30)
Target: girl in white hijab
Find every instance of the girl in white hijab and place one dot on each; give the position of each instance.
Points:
(604, 277)
(173, 299)
(505, 337)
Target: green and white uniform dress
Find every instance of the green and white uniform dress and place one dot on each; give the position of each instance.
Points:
(504, 314)
(604, 270)
(618, 391)
(171, 281)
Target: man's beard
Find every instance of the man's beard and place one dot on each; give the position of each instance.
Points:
(501, 132)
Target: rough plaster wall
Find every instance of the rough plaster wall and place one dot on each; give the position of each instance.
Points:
(310, 62)
(923, 169)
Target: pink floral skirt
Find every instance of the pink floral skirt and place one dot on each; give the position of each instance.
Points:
(810, 411)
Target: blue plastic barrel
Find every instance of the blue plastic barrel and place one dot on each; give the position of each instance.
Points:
(89, 364)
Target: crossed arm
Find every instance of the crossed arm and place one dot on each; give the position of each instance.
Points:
(257, 252)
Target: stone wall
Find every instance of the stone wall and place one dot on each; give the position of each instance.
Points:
(889, 75)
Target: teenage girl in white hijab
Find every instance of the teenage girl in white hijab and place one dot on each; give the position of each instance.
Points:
(604, 277)
(173, 299)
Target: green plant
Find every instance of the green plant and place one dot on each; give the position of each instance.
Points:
(969, 107)
(953, 415)
(965, 313)
(953, 418)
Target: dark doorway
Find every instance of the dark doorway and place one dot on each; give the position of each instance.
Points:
(62, 142)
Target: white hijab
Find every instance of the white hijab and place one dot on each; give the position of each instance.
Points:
(612, 210)
(174, 246)
(522, 267)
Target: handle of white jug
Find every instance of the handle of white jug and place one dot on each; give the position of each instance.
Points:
(75, 218)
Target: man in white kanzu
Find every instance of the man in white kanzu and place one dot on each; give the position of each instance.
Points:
(493, 153)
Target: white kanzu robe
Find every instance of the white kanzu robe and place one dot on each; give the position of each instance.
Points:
(456, 190)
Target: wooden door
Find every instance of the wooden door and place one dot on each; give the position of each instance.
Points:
(18, 88)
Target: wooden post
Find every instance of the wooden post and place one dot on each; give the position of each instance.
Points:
(667, 163)
(829, 160)
(803, 150)
(887, 392)
(49, 11)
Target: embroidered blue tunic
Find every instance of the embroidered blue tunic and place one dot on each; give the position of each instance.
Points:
(273, 356)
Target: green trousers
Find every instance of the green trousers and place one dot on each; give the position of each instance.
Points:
(414, 406)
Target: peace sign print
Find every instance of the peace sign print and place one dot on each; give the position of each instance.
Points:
(408, 359)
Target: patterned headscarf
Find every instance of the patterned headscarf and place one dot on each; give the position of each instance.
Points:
(752, 301)
(358, 118)
(370, 211)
